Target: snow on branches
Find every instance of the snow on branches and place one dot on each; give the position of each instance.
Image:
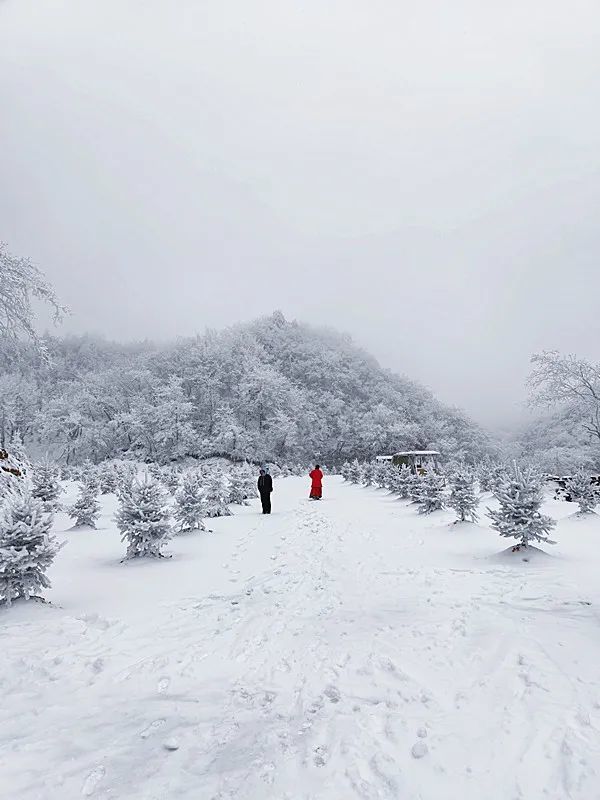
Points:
(519, 517)
(27, 547)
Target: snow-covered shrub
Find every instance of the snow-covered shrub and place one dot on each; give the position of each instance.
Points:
(583, 491)
(86, 509)
(415, 487)
(519, 514)
(345, 470)
(27, 548)
(484, 476)
(172, 477)
(190, 504)
(463, 497)
(216, 493)
(143, 518)
(238, 486)
(367, 473)
(402, 481)
(46, 486)
(431, 493)
(107, 478)
(355, 472)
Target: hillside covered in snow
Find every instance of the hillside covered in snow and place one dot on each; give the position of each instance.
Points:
(270, 389)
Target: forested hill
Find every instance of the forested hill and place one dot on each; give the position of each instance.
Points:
(271, 389)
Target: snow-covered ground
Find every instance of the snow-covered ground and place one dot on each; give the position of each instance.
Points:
(334, 650)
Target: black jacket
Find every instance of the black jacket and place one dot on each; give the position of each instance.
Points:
(265, 483)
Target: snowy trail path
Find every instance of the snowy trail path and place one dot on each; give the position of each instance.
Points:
(336, 650)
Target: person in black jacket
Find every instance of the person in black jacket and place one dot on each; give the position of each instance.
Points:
(265, 487)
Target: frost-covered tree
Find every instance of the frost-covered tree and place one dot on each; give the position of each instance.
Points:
(355, 472)
(20, 283)
(27, 547)
(583, 491)
(217, 493)
(190, 503)
(519, 514)
(238, 486)
(402, 481)
(463, 497)
(46, 486)
(345, 471)
(86, 509)
(107, 478)
(431, 493)
(143, 518)
(415, 487)
(367, 473)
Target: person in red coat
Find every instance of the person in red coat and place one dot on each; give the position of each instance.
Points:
(316, 488)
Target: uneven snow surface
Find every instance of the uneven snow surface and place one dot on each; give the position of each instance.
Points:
(335, 650)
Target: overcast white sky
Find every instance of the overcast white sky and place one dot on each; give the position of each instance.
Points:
(424, 175)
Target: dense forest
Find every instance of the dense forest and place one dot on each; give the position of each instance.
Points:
(268, 390)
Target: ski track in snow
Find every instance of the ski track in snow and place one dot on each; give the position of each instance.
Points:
(335, 650)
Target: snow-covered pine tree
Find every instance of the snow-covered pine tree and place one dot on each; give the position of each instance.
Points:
(27, 547)
(86, 509)
(345, 471)
(431, 493)
(499, 474)
(402, 481)
(415, 487)
(355, 472)
(583, 491)
(238, 483)
(216, 493)
(484, 476)
(46, 486)
(143, 518)
(463, 497)
(519, 514)
(171, 478)
(107, 478)
(367, 474)
(250, 482)
(190, 503)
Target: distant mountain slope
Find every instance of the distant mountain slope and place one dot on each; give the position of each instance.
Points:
(270, 389)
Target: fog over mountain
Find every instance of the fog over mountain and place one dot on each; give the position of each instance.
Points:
(424, 176)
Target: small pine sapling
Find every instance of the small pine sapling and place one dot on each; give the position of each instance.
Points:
(46, 486)
(86, 509)
(107, 479)
(190, 504)
(143, 518)
(237, 487)
(367, 474)
(27, 547)
(431, 494)
(217, 492)
(355, 472)
(463, 497)
(403, 481)
(345, 471)
(581, 489)
(519, 516)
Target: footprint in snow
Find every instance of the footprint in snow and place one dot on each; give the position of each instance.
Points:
(91, 782)
(163, 685)
(321, 756)
(332, 693)
(152, 728)
(419, 749)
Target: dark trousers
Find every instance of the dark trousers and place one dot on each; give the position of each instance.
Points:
(265, 499)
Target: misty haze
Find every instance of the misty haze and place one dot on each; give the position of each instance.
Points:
(298, 315)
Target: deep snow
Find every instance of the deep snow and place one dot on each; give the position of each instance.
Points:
(335, 650)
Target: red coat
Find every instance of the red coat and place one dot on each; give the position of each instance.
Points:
(316, 477)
